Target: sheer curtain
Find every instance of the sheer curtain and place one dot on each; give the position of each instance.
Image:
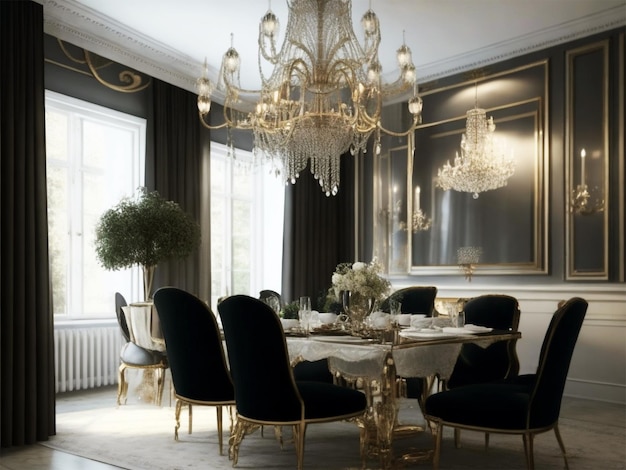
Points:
(27, 401)
(319, 233)
(181, 174)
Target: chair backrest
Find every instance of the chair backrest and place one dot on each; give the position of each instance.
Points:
(194, 346)
(265, 389)
(500, 312)
(554, 361)
(415, 299)
(267, 293)
(120, 302)
(499, 360)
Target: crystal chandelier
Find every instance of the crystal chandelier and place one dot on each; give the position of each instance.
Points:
(323, 96)
(483, 165)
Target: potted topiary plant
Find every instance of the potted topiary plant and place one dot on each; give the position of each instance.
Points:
(144, 230)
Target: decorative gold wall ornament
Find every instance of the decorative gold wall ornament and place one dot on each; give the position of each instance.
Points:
(131, 80)
(420, 222)
(467, 258)
(585, 201)
(323, 97)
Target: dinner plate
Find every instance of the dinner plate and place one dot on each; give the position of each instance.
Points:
(459, 331)
(478, 328)
(342, 339)
(426, 334)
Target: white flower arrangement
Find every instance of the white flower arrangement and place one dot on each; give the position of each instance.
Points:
(361, 278)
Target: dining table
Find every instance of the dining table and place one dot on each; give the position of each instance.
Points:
(378, 363)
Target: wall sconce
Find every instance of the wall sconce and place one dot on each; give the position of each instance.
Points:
(583, 201)
(419, 222)
(467, 258)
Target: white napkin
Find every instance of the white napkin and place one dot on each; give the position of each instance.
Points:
(478, 328)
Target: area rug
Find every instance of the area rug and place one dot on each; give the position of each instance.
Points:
(140, 436)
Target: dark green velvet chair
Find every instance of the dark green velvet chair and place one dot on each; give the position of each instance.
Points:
(415, 299)
(266, 294)
(196, 356)
(477, 364)
(133, 356)
(527, 404)
(266, 392)
(497, 361)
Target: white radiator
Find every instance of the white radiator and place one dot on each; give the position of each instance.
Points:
(86, 357)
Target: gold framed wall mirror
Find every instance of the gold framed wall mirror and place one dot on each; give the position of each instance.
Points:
(423, 229)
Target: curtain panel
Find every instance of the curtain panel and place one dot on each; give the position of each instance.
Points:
(180, 165)
(319, 233)
(27, 399)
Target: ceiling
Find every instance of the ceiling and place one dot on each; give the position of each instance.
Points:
(170, 39)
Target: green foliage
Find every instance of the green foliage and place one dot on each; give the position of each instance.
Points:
(328, 302)
(144, 231)
(290, 311)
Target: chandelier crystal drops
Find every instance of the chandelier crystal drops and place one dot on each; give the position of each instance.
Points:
(483, 164)
(324, 95)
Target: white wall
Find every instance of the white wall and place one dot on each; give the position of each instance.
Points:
(598, 368)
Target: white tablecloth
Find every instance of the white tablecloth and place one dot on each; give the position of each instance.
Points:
(368, 359)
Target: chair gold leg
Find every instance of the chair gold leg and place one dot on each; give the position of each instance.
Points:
(190, 406)
(299, 431)
(122, 386)
(179, 406)
(438, 433)
(560, 441)
(528, 450)
(160, 385)
(219, 428)
(457, 437)
(240, 430)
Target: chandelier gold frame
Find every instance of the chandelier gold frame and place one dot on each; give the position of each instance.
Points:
(324, 95)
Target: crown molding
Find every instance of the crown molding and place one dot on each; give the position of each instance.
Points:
(70, 21)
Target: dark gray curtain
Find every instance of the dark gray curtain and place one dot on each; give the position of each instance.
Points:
(181, 152)
(318, 234)
(27, 401)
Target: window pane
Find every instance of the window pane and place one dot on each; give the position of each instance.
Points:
(218, 176)
(58, 235)
(94, 158)
(56, 135)
(239, 211)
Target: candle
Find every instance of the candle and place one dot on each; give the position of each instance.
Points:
(416, 201)
(583, 154)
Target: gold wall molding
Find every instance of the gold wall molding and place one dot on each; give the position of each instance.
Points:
(587, 159)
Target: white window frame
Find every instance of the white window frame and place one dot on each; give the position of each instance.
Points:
(267, 212)
(78, 111)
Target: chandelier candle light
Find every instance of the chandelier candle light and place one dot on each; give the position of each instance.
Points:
(482, 165)
(324, 95)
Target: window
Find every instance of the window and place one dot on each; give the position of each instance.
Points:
(246, 226)
(95, 156)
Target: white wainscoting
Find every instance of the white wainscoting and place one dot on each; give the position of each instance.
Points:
(598, 368)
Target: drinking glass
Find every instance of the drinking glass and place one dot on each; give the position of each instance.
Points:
(304, 313)
(395, 308)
